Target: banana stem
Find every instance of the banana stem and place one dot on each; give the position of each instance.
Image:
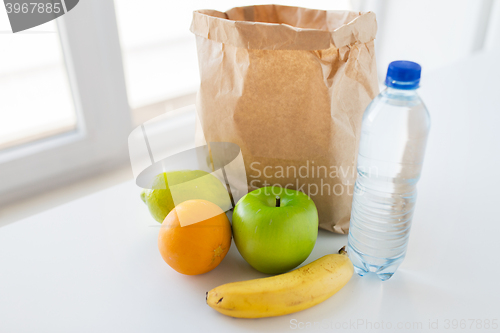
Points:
(343, 251)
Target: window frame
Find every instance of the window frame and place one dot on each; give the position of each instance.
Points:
(92, 55)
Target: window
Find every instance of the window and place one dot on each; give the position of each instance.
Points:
(64, 115)
(35, 96)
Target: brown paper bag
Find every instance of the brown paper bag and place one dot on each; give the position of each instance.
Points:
(289, 85)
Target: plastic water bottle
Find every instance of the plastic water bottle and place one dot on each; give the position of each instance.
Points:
(392, 146)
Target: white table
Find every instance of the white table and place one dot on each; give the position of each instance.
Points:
(93, 265)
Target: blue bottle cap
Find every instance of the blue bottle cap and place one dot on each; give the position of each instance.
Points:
(403, 75)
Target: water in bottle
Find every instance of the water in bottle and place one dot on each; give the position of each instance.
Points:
(392, 146)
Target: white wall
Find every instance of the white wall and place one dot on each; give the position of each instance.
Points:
(433, 33)
(492, 40)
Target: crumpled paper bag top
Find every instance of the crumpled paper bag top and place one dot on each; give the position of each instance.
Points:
(274, 27)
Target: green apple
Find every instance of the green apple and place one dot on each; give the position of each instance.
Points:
(275, 229)
(183, 185)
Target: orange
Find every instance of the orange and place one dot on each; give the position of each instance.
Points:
(194, 237)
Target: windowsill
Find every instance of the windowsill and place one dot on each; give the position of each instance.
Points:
(48, 200)
(142, 114)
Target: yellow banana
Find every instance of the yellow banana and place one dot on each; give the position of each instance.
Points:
(286, 293)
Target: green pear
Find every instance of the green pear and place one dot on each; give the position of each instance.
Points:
(171, 188)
